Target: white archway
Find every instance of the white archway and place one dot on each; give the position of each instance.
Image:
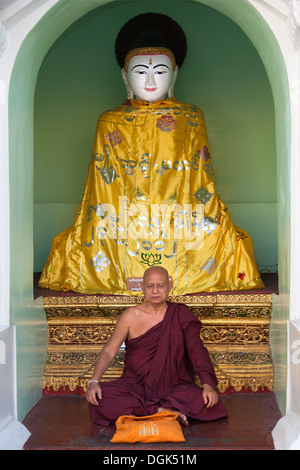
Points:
(28, 28)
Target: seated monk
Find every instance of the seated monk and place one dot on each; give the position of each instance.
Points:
(163, 353)
(150, 196)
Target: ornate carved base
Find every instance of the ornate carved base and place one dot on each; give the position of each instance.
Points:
(235, 330)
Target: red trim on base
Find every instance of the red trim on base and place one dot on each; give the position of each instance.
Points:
(80, 392)
(230, 390)
(61, 391)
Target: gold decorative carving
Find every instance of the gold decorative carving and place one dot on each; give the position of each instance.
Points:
(80, 334)
(126, 300)
(99, 334)
(234, 334)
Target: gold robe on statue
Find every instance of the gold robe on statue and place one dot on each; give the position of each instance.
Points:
(150, 199)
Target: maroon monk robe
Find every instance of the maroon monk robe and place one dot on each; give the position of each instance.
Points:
(159, 371)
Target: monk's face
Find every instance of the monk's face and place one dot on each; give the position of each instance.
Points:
(150, 76)
(156, 286)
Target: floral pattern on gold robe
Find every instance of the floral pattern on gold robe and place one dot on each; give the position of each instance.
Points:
(150, 199)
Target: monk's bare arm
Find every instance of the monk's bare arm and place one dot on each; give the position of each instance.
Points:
(107, 354)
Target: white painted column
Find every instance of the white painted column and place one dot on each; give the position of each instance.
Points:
(286, 434)
(283, 16)
(16, 20)
(12, 433)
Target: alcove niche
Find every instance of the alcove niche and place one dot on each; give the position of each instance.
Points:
(79, 78)
(222, 74)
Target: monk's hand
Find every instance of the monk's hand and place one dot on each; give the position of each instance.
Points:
(93, 390)
(210, 396)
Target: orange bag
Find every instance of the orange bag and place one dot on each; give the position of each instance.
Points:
(160, 427)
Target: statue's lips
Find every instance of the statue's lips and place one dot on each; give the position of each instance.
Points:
(150, 89)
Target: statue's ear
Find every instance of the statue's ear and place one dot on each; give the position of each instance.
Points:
(128, 89)
(171, 89)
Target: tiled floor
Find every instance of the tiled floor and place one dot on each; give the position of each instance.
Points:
(63, 422)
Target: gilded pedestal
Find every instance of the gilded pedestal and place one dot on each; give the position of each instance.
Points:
(235, 330)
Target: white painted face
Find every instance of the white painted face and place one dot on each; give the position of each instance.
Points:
(150, 76)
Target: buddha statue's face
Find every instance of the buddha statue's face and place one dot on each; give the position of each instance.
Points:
(150, 77)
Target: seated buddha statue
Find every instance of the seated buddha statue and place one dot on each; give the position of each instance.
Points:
(150, 195)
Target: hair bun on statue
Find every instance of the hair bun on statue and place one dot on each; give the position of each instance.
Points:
(151, 30)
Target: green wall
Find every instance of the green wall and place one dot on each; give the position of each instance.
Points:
(222, 74)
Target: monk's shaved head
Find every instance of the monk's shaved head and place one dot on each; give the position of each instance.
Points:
(158, 270)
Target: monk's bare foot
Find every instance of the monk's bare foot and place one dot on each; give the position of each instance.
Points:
(180, 416)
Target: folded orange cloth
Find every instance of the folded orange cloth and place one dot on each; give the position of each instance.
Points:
(159, 427)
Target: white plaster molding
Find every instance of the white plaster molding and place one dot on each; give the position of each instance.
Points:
(295, 92)
(286, 434)
(2, 352)
(285, 11)
(3, 38)
(4, 188)
(279, 7)
(294, 22)
(9, 8)
(290, 11)
(19, 19)
(13, 436)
